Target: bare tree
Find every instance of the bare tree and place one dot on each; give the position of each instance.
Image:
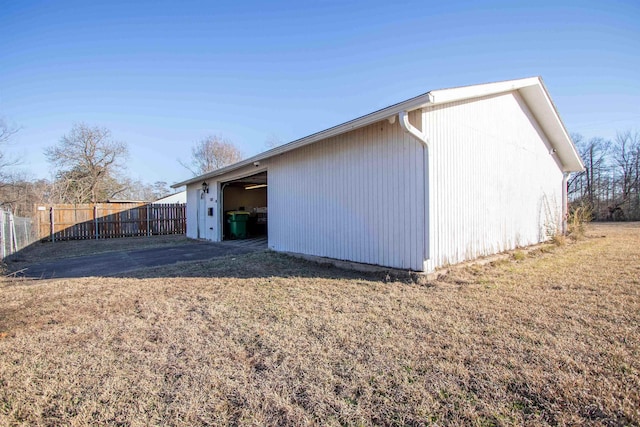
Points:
(626, 149)
(589, 185)
(23, 194)
(6, 132)
(138, 190)
(11, 182)
(87, 160)
(160, 189)
(213, 152)
(273, 141)
(610, 183)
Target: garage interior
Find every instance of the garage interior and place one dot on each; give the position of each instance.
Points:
(244, 200)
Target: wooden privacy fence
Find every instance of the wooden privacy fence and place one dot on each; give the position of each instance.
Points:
(109, 220)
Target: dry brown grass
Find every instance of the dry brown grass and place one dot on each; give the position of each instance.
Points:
(264, 339)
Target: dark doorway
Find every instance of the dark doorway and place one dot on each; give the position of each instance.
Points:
(244, 207)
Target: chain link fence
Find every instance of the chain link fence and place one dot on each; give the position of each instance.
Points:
(15, 233)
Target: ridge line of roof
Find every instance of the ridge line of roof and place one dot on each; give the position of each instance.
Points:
(411, 104)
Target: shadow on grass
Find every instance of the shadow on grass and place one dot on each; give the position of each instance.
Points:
(108, 261)
(193, 260)
(260, 264)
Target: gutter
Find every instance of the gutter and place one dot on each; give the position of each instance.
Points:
(417, 102)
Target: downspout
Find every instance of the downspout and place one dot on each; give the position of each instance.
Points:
(403, 117)
(565, 202)
(420, 135)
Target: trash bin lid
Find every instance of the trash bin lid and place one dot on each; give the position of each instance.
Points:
(238, 213)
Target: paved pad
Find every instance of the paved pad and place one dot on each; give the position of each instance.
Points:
(114, 263)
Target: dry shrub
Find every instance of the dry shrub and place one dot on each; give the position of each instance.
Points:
(579, 216)
(559, 240)
(264, 339)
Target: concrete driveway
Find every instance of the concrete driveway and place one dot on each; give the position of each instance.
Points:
(114, 263)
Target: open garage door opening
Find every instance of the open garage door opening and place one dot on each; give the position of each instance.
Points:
(244, 207)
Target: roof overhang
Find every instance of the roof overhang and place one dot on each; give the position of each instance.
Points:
(531, 89)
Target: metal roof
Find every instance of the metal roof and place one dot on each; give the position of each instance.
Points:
(532, 90)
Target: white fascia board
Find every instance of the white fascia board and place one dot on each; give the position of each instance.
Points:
(541, 105)
(531, 89)
(420, 101)
(445, 96)
(567, 150)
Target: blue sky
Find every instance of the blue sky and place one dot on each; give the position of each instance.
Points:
(162, 75)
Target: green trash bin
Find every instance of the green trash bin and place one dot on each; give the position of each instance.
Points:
(237, 221)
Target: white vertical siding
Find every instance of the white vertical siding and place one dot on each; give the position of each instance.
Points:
(192, 211)
(210, 226)
(495, 185)
(358, 196)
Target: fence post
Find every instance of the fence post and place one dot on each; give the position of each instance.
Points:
(51, 225)
(148, 219)
(2, 238)
(26, 232)
(12, 232)
(95, 220)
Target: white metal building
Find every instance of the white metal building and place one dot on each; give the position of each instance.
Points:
(444, 177)
(178, 197)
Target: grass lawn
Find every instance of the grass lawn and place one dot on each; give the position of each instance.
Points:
(546, 338)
